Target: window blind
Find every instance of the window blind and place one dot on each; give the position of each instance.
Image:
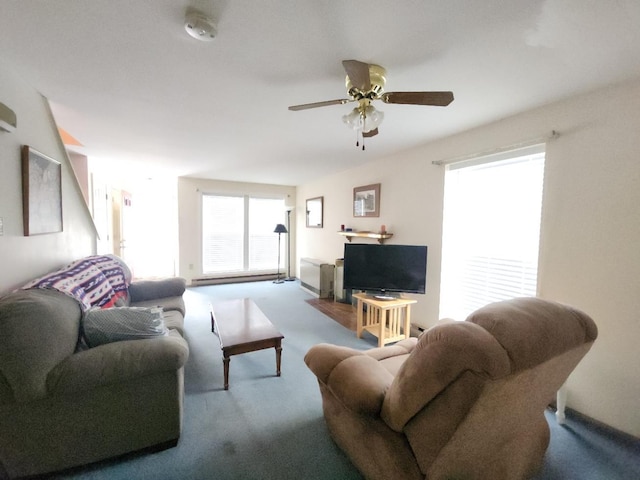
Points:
(222, 234)
(264, 215)
(491, 231)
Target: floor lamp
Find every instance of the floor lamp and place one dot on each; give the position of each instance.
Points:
(280, 228)
(289, 277)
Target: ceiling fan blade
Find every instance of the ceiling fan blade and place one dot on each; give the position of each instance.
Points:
(358, 73)
(326, 103)
(438, 99)
(372, 133)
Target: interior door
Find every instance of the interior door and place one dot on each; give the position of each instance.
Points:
(122, 218)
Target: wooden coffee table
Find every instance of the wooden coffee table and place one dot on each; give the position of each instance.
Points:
(241, 327)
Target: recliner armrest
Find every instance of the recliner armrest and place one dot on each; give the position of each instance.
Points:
(117, 362)
(356, 379)
(402, 347)
(323, 358)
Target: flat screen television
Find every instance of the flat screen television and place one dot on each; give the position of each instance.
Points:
(385, 270)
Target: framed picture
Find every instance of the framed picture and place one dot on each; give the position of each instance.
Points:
(366, 201)
(41, 193)
(314, 212)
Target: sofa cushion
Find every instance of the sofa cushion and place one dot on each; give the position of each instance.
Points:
(122, 323)
(117, 362)
(167, 303)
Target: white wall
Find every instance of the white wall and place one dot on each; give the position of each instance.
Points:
(189, 214)
(23, 258)
(411, 199)
(590, 228)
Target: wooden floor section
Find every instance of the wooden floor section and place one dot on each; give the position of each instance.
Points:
(343, 313)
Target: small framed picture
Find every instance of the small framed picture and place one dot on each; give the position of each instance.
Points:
(366, 201)
(41, 193)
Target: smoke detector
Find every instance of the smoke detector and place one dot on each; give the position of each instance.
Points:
(200, 27)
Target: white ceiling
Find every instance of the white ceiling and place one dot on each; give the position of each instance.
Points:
(127, 81)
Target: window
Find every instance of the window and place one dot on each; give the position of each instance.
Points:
(237, 234)
(491, 231)
(222, 234)
(264, 214)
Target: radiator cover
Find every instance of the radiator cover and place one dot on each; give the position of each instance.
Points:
(316, 277)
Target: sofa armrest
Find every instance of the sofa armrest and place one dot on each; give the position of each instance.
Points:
(151, 289)
(357, 380)
(117, 362)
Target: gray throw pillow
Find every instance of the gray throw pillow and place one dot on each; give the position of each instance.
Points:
(122, 323)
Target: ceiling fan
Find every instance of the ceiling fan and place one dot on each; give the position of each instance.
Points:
(365, 83)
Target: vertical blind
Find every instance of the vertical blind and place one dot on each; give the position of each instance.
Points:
(491, 232)
(237, 233)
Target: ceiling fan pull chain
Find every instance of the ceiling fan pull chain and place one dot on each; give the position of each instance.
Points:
(362, 120)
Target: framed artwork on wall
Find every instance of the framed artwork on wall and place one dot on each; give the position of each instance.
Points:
(41, 193)
(366, 201)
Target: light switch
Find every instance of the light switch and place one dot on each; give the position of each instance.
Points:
(1, 226)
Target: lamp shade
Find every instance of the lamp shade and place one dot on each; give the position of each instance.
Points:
(280, 228)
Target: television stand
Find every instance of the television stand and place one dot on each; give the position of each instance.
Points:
(388, 320)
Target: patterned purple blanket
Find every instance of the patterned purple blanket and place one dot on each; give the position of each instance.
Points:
(96, 281)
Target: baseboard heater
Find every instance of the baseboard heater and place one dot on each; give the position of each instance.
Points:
(316, 277)
(195, 282)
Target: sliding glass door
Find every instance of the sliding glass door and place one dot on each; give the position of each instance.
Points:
(237, 234)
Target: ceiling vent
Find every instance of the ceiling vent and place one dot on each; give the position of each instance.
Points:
(200, 27)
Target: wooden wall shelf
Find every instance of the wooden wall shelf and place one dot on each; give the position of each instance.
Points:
(381, 237)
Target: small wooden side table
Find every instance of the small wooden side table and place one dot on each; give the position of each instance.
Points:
(389, 320)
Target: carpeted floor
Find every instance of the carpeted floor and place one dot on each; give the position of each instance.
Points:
(268, 427)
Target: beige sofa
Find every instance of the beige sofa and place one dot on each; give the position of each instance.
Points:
(63, 404)
(464, 401)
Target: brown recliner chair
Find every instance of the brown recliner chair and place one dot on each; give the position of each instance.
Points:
(464, 401)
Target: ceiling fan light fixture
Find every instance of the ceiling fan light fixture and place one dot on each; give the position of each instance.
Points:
(200, 27)
(353, 119)
(363, 118)
(372, 118)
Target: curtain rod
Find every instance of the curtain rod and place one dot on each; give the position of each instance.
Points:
(516, 146)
